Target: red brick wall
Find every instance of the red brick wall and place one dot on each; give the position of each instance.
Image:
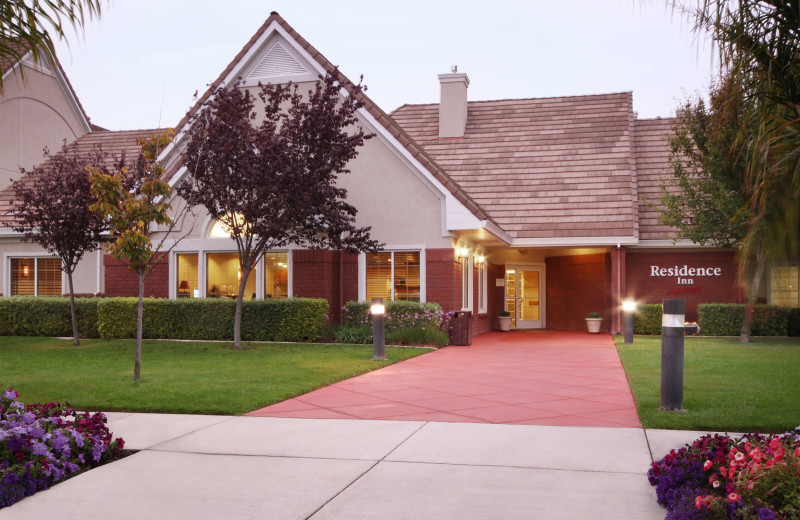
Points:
(576, 286)
(443, 278)
(645, 288)
(120, 281)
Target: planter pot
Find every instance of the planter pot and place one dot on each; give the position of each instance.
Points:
(504, 323)
(593, 324)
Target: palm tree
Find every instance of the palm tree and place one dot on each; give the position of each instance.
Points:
(27, 26)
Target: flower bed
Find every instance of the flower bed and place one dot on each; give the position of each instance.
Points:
(41, 445)
(755, 477)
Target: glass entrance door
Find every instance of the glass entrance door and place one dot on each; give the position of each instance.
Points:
(524, 296)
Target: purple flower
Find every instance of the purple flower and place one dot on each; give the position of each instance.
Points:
(28, 418)
(16, 443)
(40, 449)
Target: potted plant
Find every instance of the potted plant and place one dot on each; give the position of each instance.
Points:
(593, 321)
(504, 321)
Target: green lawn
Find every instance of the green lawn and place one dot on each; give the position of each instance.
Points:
(177, 377)
(728, 386)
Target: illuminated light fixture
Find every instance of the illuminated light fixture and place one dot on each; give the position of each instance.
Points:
(628, 307)
(378, 309)
(463, 252)
(238, 274)
(480, 259)
(24, 270)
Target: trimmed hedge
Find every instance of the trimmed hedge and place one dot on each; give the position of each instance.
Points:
(647, 319)
(292, 319)
(47, 316)
(725, 319)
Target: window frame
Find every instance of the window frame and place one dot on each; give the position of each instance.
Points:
(483, 300)
(414, 248)
(467, 281)
(796, 283)
(36, 257)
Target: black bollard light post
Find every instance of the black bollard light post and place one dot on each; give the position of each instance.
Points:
(628, 308)
(378, 310)
(672, 320)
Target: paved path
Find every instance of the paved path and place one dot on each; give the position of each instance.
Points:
(536, 377)
(213, 467)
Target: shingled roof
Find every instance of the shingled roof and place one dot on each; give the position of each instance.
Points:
(374, 110)
(542, 168)
(112, 143)
(652, 163)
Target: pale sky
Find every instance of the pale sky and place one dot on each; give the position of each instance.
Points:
(140, 64)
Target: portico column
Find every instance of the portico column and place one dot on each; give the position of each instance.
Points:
(618, 292)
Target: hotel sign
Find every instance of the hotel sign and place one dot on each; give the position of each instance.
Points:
(685, 275)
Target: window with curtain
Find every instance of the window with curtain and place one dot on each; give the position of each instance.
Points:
(276, 275)
(36, 276)
(394, 275)
(188, 281)
(784, 282)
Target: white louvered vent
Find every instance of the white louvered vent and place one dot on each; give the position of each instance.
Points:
(278, 62)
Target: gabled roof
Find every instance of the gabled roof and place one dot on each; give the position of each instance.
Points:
(652, 163)
(113, 143)
(395, 130)
(542, 168)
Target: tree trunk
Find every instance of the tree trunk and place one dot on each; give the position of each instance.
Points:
(76, 341)
(137, 362)
(237, 318)
(752, 295)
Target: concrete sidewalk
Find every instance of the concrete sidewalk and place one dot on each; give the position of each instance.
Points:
(210, 467)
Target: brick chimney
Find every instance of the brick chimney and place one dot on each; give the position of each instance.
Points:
(453, 104)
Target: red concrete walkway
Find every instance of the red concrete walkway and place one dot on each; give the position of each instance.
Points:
(536, 377)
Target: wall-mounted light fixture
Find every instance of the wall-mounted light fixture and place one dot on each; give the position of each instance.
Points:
(463, 252)
(24, 270)
(480, 259)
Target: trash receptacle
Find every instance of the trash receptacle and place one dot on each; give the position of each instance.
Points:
(461, 329)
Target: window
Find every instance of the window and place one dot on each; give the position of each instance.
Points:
(394, 275)
(188, 284)
(36, 276)
(466, 283)
(276, 275)
(784, 286)
(482, 298)
(223, 277)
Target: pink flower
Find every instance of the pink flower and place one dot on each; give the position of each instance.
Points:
(739, 457)
(698, 502)
(774, 443)
(716, 484)
(733, 497)
(797, 452)
(707, 465)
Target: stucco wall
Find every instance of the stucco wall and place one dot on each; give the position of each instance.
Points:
(33, 115)
(85, 278)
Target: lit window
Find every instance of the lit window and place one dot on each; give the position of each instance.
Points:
(36, 276)
(394, 275)
(276, 275)
(224, 275)
(188, 285)
(222, 230)
(784, 286)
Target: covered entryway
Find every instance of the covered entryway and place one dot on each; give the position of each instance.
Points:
(522, 377)
(525, 295)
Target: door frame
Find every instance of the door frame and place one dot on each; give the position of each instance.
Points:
(542, 290)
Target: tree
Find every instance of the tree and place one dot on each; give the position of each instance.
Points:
(26, 25)
(759, 47)
(130, 212)
(52, 210)
(272, 182)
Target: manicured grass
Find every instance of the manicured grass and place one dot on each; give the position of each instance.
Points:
(728, 386)
(178, 377)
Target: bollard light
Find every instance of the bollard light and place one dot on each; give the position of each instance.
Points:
(628, 307)
(378, 310)
(672, 332)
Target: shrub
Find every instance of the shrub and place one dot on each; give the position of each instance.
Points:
(353, 334)
(647, 319)
(399, 314)
(292, 319)
(725, 319)
(418, 336)
(793, 324)
(47, 316)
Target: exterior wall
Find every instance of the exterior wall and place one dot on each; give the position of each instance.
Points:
(645, 288)
(122, 282)
(33, 115)
(576, 286)
(318, 274)
(443, 278)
